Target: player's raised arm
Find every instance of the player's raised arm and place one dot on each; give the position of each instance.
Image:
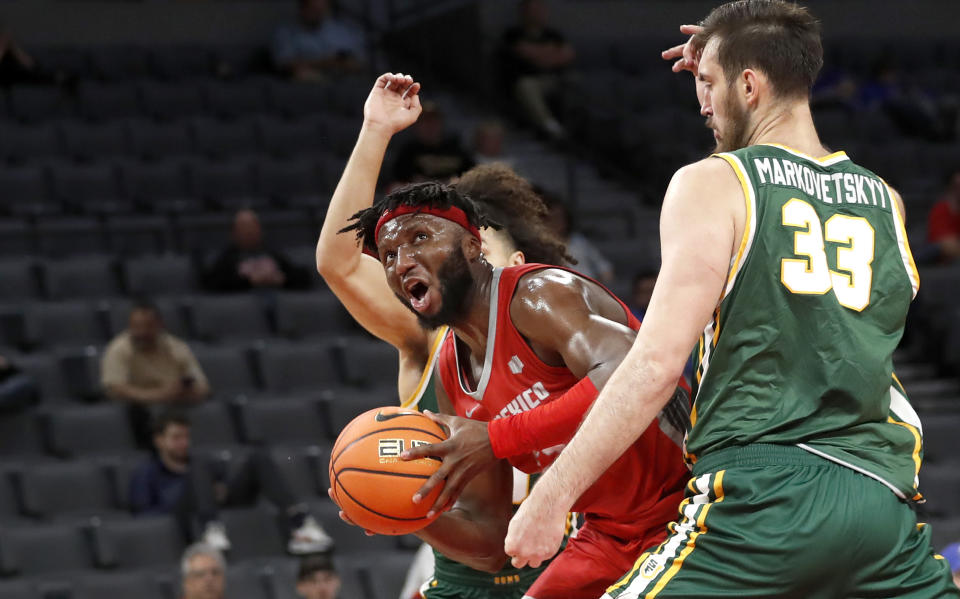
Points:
(567, 321)
(700, 227)
(358, 279)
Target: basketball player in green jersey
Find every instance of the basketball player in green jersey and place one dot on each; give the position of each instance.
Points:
(791, 265)
(359, 282)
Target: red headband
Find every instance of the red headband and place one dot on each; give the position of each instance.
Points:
(452, 213)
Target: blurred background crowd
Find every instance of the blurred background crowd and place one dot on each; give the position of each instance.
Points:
(173, 371)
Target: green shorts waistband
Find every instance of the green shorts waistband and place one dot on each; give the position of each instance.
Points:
(448, 572)
(758, 454)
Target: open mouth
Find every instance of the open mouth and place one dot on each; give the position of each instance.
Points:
(417, 292)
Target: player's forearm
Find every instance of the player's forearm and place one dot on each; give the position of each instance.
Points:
(339, 254)
(626, 406)
(545, 426)
(474, 543)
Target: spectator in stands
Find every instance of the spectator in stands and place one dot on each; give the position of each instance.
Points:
(535, 62)
(641, 291)
(488, 143)
(952, 554)
(193, 487)
(146, 365)
(17, 389)
(319, 44)
(943, 225)
(247, 263)
(317, 577)
(588, 259)
(433, 154)
(204, 570)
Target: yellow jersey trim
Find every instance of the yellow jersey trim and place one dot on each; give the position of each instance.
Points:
(414, 398)
(823, 160)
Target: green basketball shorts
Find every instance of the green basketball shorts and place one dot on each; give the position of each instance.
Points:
(478, 585)
(777, 521)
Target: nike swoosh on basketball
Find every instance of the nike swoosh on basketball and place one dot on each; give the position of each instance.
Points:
(472, 410)
(381, 417)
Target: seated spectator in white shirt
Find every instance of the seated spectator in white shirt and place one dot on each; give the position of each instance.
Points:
(318, 44)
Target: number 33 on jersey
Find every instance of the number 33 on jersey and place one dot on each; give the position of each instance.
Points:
(801, 343)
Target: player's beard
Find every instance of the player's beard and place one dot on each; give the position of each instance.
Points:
(456, 281)
(735, 137)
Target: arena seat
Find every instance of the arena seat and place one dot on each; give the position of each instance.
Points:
(386, 572)
(343, 405)
(292, 181)
(118, 62)
(298, 368)
(152, 141)
(138, 234)
(253, 533)
(67, 323)
(289, 228)
(231, 100)
(153, 276)
(181, 62)
(227, 185)
(106, 101)
(86, 277)
(282, 422)
(349, 540)
(17, 238)
(204, 233)
(368, 363)
(116, 585)
(138, 543)
(9, 508)
(220, 139)
(248, 581)
(291, 139)
(19, 276)
(65, 489)
(944, 532)
(70, 236)
(940, 439)
(45, 549)
(45, 369)
(229, 317)
(294, 99)
(18, 589)
(314, 315)
(211, 425)
(167, 101)
(160, 187)
(228, 369)
(24, 190)
(304, 469)
(940, 484)
(29, 143)
(34, 103)
(87, 142)
(89, 430)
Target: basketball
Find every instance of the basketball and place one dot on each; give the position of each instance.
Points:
(370, 482)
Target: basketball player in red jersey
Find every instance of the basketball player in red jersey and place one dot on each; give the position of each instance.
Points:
(532, 345)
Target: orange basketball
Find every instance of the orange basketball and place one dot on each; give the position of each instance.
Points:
(370, 482)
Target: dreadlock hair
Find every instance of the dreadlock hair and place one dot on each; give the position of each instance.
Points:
(427, 195)
(510, 200)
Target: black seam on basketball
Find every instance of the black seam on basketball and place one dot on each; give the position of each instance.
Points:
(385, 472)
(381, 430)
(372, 511)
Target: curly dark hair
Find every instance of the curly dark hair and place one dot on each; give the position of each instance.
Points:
(491, 195)
(428, 195)
(511, 200)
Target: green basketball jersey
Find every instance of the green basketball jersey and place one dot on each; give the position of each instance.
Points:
(425, 398)
(800, 348)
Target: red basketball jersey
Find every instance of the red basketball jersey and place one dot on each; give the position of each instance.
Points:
(642, 488)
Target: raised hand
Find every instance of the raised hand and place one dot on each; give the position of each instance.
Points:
(465, 454)
(393, 103)
(685, 54)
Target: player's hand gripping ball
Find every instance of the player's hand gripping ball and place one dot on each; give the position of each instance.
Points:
(370, 482)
